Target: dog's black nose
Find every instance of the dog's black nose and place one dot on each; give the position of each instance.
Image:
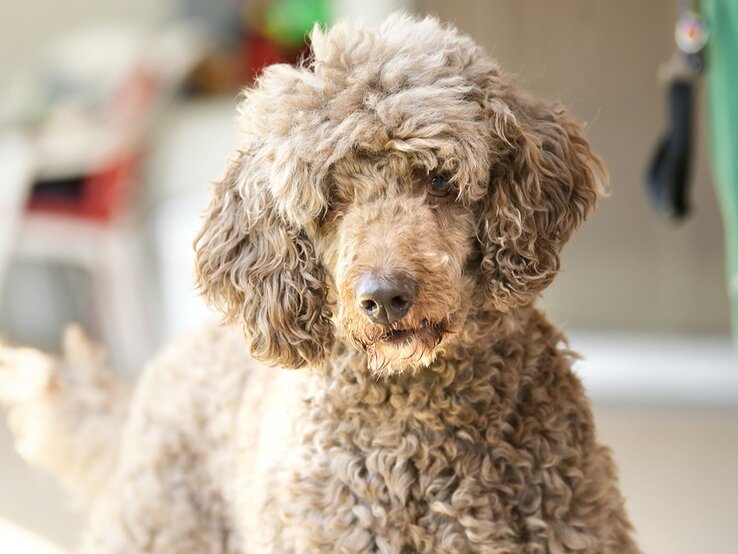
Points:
(385, 298)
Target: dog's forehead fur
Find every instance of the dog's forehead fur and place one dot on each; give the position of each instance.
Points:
(369, 93)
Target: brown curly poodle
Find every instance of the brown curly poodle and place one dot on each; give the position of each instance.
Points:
(395, 207)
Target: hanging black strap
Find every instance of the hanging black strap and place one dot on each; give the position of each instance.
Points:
(668, 174)
(669, 170)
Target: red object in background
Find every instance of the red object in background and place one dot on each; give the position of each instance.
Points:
(258, 51)
(99, 196)
(135, 95)
(102, 194)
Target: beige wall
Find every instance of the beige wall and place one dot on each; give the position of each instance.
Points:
(626, 268)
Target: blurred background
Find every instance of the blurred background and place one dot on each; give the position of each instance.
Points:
(115, 116)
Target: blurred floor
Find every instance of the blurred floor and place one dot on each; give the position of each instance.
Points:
(678, 471)
(679, 474)
(33, 500)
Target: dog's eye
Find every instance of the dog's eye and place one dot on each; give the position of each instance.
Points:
(438, 185)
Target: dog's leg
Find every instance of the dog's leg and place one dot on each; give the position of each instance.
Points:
(145, 514)
(172, 488)
(165, 497)
(66, 414)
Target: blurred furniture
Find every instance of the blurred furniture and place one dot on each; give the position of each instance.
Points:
(87, 112)
(96, 233)
(18, 163)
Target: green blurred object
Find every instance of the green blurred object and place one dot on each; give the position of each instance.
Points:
(287, 22)
(722, 82)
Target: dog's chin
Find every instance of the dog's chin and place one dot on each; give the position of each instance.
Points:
(404, 349)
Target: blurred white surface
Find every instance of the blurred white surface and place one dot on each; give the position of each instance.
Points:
(182, 307)
(658, 368)
(371, 12)
(191, 150)
(17, 540)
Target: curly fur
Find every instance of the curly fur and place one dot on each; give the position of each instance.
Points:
(460, 427)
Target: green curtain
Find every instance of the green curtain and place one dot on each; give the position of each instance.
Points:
(722, 96)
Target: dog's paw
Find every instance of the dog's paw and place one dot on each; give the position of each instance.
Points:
(24, 373)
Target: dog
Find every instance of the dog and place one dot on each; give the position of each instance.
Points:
(394, 209)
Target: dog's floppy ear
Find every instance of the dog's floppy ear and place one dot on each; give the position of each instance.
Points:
(544, 181)
(263, 272)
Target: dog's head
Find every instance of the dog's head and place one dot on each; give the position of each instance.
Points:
(384, 192)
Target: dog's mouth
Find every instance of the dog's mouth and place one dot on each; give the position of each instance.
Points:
(393, 349)
(426, 332)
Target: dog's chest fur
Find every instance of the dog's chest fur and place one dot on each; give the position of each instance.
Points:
(487, 451)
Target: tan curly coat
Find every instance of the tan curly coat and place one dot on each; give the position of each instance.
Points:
(459, 428)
